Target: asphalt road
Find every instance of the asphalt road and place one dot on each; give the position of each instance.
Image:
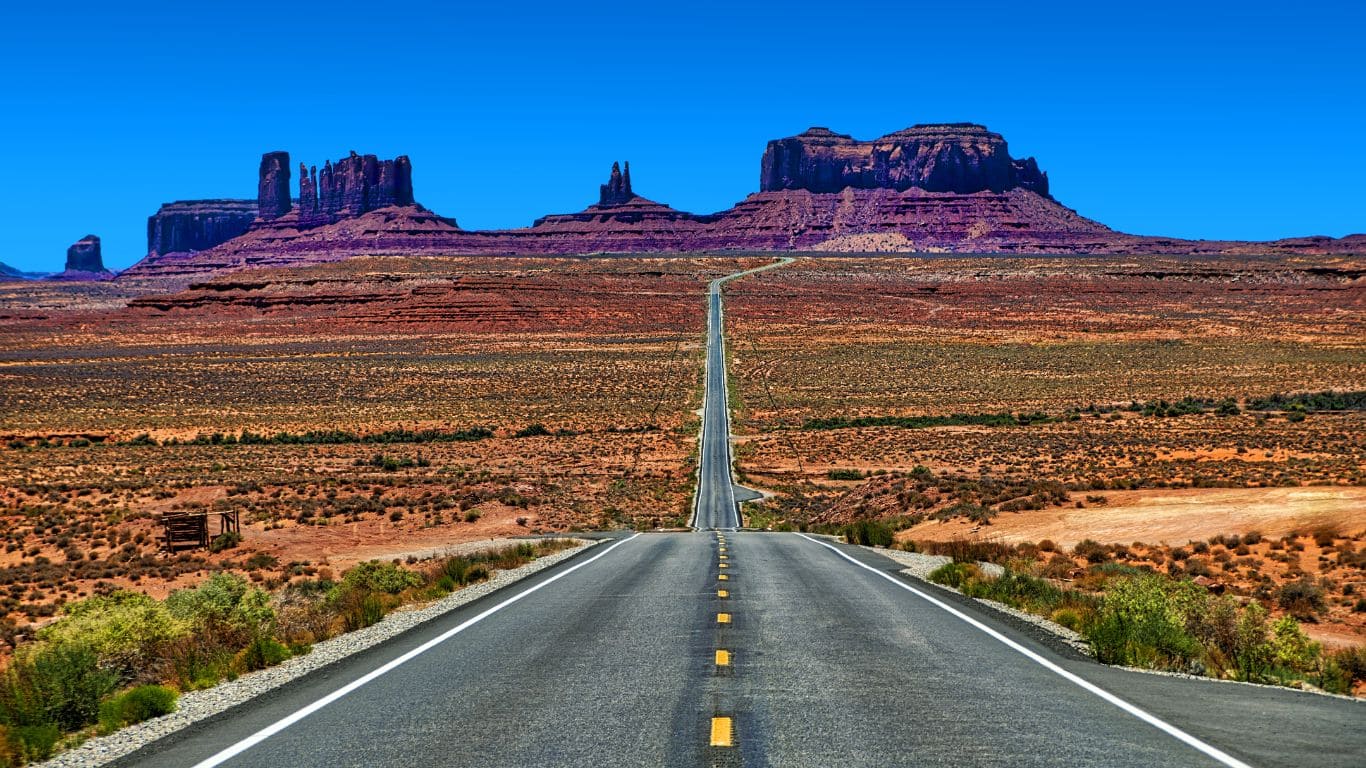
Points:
(715, 505)
(736, 648)
(615, 664)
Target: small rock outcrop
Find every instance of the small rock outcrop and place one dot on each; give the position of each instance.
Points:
(84, 256)
(963, 158)
(617, 190)
(198, 225)
(353, 186)
(272, 189)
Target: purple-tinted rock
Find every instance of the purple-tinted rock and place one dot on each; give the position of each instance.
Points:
(272, 189)
(84, 256)
(355, 185)
(950, 157)
(197, 225)
(617, 190)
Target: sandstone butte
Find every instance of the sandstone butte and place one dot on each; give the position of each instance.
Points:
(933, 188)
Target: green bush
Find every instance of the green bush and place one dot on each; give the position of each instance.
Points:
(381, 577)
(225, 540)
(1302, 599)
(226, 607)
(53, 685)
(869, 533)
(1142, 622)
(28, 743)
(844, 474)
(142, 703)
(263, 651)
(125, 629)
(1291, 649)
(954, 574)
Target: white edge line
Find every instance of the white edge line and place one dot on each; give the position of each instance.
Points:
(279, 725)
(1153, 720)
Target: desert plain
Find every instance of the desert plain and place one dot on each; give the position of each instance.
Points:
(396, 408)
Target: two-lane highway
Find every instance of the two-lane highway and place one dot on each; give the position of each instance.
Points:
(828, 662)
(715, 506)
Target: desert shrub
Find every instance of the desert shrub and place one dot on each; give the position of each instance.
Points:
(954, 574)
(263, 651)
(53, 686)
(1092, 550)
(224, 605)
(196, 661)
(1291, 648)
(303, 616)
(1142, 622)
(20, 744)
(142, 703)
(381, 577)
(869, 533)
(126, 630)
(225, 540)
(1068, 617)
(1302, 599)
(360, 608)
(969, 551)
(1352, 663)
(534, 430)
(844, 474)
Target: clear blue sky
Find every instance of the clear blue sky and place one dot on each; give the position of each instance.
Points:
(1195, 119)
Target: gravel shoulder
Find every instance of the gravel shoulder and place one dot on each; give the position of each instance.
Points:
(196, 706)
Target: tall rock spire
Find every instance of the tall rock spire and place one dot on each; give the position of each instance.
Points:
(272, 188)
(617, 190)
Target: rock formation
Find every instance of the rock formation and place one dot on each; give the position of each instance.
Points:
(949, 187)
(84, 256)
(272, 189)
(355, 185)
(617, 190)
(950, 157)
(197, 225)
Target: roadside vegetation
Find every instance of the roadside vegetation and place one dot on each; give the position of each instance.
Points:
(116, 659)
(1141, 617)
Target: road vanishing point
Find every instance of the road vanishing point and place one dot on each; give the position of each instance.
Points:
(726, 647)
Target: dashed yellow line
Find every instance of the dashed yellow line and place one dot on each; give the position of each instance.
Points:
(722, 577)
(723, 618)
(722, 593)
(722, 732)
(722, 658)
(723, 565)
(723, 557)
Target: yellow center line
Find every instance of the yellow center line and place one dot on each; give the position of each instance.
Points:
(723, 618)
(723, 565)
(723, 577)
(723, 658)
(721, 549)
(722, 593)
(723, 557)
(722, 732)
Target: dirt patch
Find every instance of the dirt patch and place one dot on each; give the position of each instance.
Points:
(1168, 516)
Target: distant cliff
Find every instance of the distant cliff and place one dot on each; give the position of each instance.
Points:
(197, 225)
(948, 157)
